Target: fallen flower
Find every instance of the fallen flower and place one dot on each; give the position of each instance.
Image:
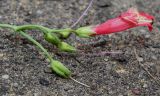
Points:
(130, 19)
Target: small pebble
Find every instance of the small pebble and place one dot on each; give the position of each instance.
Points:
(140, 59)
(145, 86)
(36, 94)
(154, 57)
(106, 59)
(39, 12)
(1, 55)
(142, 30)
(147, 36)
(15, 84)
(5, 76)
(44, 82)
(48, 70)
(136, 91)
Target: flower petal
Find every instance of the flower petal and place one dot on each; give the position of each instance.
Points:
(150, 17)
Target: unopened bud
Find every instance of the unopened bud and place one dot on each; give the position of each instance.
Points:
(63, 46)
(52, 38)
(60, 69)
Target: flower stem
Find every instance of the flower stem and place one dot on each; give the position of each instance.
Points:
(36, 43)
(64, 32)
(8, 26)
(39, 27)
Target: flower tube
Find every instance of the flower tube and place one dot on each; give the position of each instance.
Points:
(130, 19)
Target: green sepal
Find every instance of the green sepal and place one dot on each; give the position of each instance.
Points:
(60, 69)
(52, 38)
(65, 33)
(85, 32)
(63, 46)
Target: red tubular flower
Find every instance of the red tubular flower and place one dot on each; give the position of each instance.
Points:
(131, 18)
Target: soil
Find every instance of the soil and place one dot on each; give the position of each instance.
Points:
(24, 71)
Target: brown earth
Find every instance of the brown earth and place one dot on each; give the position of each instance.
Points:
(24, 70)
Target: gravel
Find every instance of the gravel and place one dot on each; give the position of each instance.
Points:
(23, 68)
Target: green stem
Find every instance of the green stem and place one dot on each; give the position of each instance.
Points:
(36, 43)
(39, 27)
(8, 26)
(31, 26)
(61, 30)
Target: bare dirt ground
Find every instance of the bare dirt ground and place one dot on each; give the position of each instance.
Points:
(24, 71)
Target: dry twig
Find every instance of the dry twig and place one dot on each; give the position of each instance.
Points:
(90, 4)
(141, 65)
(79, 82)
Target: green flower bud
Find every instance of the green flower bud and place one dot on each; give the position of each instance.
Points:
(60, 69)
(65, 33)
(52, 38)
(63, 46)
(85, 31)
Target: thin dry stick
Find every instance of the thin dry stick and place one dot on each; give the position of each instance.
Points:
(155, 79)
(79, 82)
(103, 53)
(90, 4)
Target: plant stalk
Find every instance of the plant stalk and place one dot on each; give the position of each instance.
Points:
(36, 43)
(8, 26)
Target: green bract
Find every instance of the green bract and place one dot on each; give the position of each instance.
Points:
(52, 38)
(63, 46)
(65, 33)
(60, 69)
(84, 31)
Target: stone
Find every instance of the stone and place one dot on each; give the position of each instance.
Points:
(5, 76)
